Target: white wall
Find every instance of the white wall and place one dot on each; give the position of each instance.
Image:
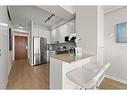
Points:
(69, 9)
(100, 35)
(10, 52)
(5, 60)
(39, 31)
(116, 53)
(31, 43)
(59, 33)
(86, 28)
(21, 31)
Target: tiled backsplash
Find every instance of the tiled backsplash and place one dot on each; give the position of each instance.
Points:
(61, 47)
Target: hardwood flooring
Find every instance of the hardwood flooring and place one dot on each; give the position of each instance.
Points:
(112, 84)
(24, 76)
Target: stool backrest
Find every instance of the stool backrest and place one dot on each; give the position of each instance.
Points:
(102, 71)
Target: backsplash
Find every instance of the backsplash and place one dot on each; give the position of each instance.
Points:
(61, 47)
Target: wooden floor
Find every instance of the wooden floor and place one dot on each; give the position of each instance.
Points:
(24, 76)
(111, 84)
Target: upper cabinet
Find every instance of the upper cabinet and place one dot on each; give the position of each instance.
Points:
(58, 34)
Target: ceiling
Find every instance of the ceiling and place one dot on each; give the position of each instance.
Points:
(58, 11)
(108, 9)
(22, 16)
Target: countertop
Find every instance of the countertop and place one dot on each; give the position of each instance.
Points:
(70, 58)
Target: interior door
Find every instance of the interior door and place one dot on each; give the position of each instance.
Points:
(21, 51)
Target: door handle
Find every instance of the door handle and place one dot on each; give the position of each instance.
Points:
(26, 47)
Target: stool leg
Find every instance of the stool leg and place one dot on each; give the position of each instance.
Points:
(80, 88)
(94, 88)
(83, 88)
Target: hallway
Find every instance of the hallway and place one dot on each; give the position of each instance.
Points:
(24, 76)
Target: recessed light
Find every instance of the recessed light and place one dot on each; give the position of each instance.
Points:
(71, 23)
(65, 26)
(20, 27)
(3, 24)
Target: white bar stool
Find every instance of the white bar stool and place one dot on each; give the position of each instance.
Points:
(87, 76)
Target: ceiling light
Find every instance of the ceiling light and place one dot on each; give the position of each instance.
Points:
(20, 27)
(3, 24)
(71, 23)
(65, 26)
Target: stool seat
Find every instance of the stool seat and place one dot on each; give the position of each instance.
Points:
(88, 75)
(92, 66)
(82, 77)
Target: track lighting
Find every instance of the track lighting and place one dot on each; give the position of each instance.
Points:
(49, 17)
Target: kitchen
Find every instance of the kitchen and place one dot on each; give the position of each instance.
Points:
(63, 47)
(57, 35)
(46, 36)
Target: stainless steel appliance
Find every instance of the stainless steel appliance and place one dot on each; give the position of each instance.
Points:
(40, 50)
(59, 48)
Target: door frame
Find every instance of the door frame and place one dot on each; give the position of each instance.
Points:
(20, 34)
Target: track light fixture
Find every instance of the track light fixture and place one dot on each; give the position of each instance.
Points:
(49, 17)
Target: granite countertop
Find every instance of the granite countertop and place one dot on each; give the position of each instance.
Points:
(70, 58)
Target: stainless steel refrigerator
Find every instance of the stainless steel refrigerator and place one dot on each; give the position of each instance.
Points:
(39, 50)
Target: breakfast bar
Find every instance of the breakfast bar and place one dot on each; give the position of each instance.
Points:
(61, 64)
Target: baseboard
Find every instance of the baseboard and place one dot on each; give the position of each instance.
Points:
(116, 79)
(9, 73)
(31, 64)
(5, 84)
(13, 61)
